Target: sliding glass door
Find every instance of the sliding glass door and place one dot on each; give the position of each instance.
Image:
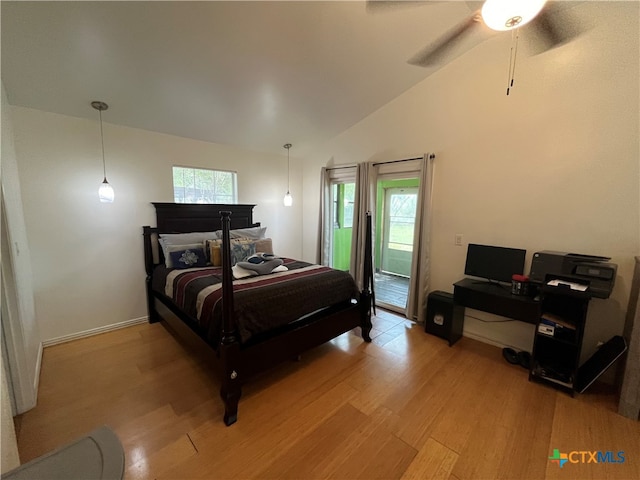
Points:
(397, 203)
(397, 193)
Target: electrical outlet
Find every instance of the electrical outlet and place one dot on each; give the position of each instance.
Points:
(458, 239)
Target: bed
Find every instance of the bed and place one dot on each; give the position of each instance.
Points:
(241, 322)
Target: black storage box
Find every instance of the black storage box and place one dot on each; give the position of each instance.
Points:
(444, 318)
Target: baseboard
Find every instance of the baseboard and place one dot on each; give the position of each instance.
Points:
(482, 339)
(498, 331)
(94, 331)
(36, 379)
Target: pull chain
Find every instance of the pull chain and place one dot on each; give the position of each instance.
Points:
(512, 59)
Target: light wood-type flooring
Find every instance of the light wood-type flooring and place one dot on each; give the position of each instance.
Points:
(406, 407)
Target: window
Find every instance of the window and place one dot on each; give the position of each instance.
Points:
(343, 197)
(342, 204)
(201, 185)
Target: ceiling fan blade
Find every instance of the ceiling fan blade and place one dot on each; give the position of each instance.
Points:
(434, 54)
(551, 28)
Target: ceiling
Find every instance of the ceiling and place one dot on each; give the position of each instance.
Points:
(251, 74)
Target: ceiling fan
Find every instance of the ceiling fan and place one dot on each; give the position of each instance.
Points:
(547, 22)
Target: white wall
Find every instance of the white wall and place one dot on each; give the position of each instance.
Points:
(19, 320)
(555, 165)
(87, 257)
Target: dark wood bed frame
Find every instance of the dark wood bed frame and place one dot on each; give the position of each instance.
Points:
(239, 361)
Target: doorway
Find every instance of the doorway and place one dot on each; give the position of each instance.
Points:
(397, 204)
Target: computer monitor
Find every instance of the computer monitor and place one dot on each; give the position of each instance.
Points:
(494, 263)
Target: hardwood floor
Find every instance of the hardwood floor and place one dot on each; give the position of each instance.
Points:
(407, 406)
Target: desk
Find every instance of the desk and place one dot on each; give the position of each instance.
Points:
(495, 299)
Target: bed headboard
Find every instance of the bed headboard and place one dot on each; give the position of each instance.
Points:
(195, 217)
(190, 217)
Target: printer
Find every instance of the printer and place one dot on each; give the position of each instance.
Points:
(588, 270)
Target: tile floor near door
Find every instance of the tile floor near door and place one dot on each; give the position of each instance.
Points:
(387, 327)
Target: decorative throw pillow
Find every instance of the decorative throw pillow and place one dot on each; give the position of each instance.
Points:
(241, 251)
(185, 240)
(189, 258)
(264, 245)
(210, 245)
(168, 261)
(215, 255)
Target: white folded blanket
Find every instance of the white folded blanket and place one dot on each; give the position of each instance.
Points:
(240, 272)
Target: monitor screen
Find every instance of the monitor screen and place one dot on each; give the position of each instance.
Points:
(494, 263)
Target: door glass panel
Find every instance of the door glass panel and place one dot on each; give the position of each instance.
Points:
(343, 195)
(396, 249)
(398, 221)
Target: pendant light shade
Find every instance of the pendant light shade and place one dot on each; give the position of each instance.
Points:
(105, 192)
(509, 14)
(288, 199)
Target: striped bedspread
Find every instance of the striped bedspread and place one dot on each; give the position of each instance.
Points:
(260, 303)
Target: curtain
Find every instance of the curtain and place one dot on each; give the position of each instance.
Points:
(367, 175)
(419, 281)
(365, 201)
(324, 230)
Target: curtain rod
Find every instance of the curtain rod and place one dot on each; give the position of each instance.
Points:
(341, 168)
(432, 156)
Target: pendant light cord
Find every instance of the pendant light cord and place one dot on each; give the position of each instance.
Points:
(104, 167)
(288, 147)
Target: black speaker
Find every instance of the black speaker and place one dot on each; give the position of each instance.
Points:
(444, 318)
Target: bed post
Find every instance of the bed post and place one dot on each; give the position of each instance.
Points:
(152, 315)
(366, 296)
(229, 346)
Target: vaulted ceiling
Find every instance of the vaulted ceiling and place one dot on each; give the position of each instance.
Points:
(251, 74)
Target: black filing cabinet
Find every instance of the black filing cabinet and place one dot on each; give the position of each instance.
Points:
(444, 318)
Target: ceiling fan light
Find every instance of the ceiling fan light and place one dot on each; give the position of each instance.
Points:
(509, 14)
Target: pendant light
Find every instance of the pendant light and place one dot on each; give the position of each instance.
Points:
(288, 199)
(509, 14)
(105, 192)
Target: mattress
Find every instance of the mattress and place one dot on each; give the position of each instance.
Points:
(261, 304)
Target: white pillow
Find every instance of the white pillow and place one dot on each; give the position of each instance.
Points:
(254, 233)
(187, 238)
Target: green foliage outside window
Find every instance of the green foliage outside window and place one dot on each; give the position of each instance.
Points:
(200, 185)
